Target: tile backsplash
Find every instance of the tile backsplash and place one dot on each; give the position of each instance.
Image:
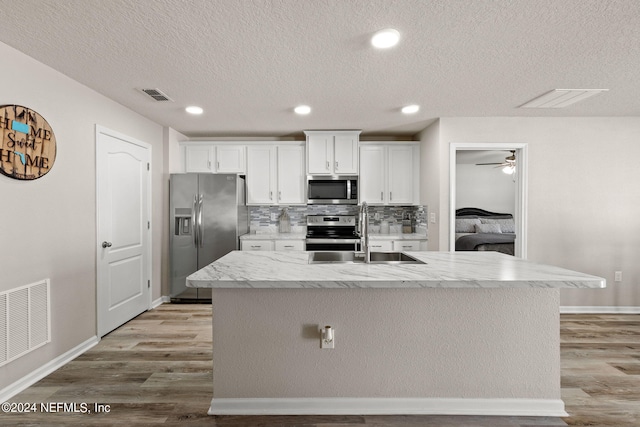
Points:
(261, 217)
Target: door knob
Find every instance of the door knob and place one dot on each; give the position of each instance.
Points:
(106, 245)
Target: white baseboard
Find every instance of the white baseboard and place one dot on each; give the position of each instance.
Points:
(599, 310)
(35, 376)
(388, 406)
(160, 301)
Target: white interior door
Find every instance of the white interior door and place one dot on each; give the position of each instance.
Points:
(123, 255)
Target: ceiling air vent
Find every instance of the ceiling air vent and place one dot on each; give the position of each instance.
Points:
(560, 98)
(157, 94)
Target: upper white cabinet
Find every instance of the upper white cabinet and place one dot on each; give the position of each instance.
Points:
(275, 175)
(389, 174)
(215, 158)
(332, 152)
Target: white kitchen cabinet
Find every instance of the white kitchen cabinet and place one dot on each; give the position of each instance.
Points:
(230, 159)
(332, 152)
(381, 245)
(289, 245)
(389, 174)
(275, 175)
(199, 158)
(256, 245)
(215, 158)
(406, 245)
(291, 175)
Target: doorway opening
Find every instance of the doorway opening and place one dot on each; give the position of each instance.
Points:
(506, 193)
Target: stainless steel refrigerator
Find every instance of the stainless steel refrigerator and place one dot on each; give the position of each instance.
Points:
(208, 215)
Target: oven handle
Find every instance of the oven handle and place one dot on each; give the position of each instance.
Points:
(332, 240)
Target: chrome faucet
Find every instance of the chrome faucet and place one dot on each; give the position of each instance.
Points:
(363, 229)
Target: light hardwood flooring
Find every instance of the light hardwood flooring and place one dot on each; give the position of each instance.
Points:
(156, 369)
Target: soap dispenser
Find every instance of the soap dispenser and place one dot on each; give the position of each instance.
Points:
(284, 222)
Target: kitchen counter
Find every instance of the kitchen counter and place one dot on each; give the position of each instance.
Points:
(272, 269)
(466, 333)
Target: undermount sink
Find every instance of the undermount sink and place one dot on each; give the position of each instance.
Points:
(346, 257)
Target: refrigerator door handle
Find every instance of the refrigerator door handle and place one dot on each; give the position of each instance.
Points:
(200, 226)
(194, 220)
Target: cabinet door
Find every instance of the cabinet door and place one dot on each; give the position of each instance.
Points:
(345, 154)
(372, 175)
(199, 158)
(381, 245)
(401, 175)
(261, 175)
(230, 159)
(256, 245)
(319, 154)
(291, 175)
(289, 245)
(406, 245)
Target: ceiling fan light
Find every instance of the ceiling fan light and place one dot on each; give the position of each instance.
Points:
(509, 170)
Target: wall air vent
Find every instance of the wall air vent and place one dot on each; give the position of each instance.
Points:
(157, 94)
(560, 98)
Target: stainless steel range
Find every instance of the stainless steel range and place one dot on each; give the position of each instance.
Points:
(332, 233)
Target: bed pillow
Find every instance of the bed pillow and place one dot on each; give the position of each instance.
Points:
(488, 228)
(466, 225)
(507, 225)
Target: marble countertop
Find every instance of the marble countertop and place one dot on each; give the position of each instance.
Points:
(275, 269)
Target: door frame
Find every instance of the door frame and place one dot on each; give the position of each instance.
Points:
(148, 241)
(521, 176)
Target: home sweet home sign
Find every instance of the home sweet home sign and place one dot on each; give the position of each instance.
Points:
(28, 145)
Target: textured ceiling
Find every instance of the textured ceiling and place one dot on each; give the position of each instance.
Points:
(248, 63)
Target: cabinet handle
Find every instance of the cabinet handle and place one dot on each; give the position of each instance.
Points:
(279, 195)
(381, 195)
(209, 164)
(390, 195)
(327, 165)
(218, 165)
(270, 195)
(336, 165)
(288, 246)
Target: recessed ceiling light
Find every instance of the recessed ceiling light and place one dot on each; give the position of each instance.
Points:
(410, 109)
(302, 109)
(385, 38)
(560, 98)
(192, 109)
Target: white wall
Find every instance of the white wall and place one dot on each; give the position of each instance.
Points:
(485, 187)
(584, 200)
(49, 225)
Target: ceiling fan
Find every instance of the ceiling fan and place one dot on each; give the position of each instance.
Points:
(509, 164)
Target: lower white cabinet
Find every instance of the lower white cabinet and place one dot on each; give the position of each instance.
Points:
(381, 245)
(256, 245)
(272, 245)
(406, 245)
(397, 245)
(289, 245)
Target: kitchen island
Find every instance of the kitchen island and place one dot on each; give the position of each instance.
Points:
(462, 333)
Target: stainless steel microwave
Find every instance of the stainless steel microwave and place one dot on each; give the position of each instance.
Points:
(332, 190)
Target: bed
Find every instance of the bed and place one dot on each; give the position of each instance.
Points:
(481, 230)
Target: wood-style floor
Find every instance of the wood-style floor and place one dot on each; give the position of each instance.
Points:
(156, 369)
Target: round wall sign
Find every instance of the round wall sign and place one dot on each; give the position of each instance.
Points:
(28, 145)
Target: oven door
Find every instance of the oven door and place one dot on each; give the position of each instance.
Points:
(333, 244)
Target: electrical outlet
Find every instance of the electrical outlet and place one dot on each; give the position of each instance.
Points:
(432, 217)
(617, 277)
